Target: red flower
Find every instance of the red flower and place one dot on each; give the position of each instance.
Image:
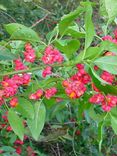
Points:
(19, 65)
(37, 95)
(18, 150)
(107, 77)
(50, 92)
(9, 129)
(97, 98)
(14, 102)
(52, 55)
(29, 54)
(78, 132)
(18, 142)
(47, 71)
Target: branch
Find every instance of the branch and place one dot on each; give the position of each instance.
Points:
(38, 68)
(39, 21)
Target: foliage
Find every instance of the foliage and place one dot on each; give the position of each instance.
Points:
(61, 88)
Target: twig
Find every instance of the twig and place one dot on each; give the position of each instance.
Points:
(5, 13)
(54, 151)
(73, 142)
(58, 150)
(66, 123)
(40, 20)
(35, 68)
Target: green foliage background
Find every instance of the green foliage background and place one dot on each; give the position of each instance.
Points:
(27, 12)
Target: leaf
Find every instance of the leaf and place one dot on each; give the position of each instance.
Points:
(25, 108)
(2, 7)
(90, 54)
(111, 8)
(107, 63)
(68, 19)
(114, 112)
(69, 47)
(52, 34)
(74, 31)
(106, 88)
(21, 32)
(89, 27)
(13, 27)
(114, 123)
(16, 123)
(5, 54)
(7, 149)
(103, 11)
(58, 108)
(95, 116)
(98, 77)
(37, 123)
(108, 46)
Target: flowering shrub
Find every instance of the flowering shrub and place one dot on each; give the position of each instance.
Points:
(38, 78)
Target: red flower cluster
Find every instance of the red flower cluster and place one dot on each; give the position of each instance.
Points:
(10, 87)
(14, 102)
(75, 86)
(81, 75)
(37, 95)
(108, 53)
(29, 54)
(48, 93)
(19, 65)
(52, 55)
(109, 38)
(74, 89)
(18, 149)
(18, 142)
(107, 102)
(9, 129)
(108, 77)
(47, 71)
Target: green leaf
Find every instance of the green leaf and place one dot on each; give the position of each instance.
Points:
(5, 54)
(98, 77)
(95, 116)
(90, 54)
(107, 63)
(89, 27)
(13, 27)
(2, 7)
(21, 32)
(102, 10)
(111, 8)
(58, 108)
(68, 19)
(37, 123)
(16, 123)
(114, 123)
(74, 31)
(52, 34)
(108, 46)
(69, 47)
(7, 149)
(106, 88)
(114, 112)
(25, 108)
